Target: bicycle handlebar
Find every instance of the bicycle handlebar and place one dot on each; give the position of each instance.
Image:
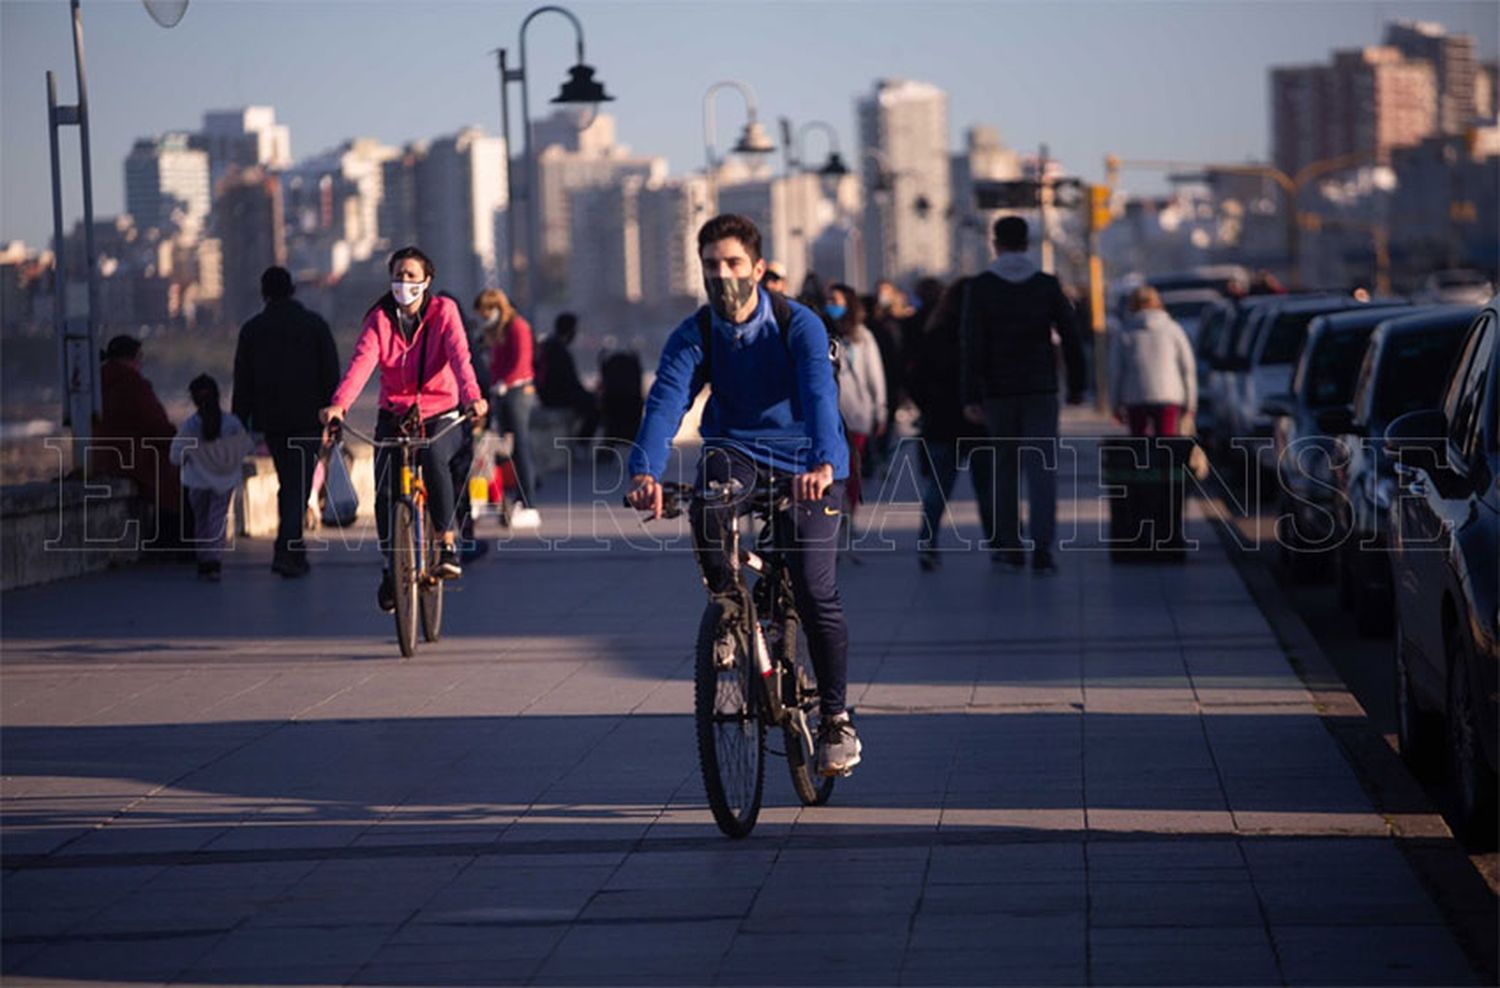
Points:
(774, 496)
(342, 425)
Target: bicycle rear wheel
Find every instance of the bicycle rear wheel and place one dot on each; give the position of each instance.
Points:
(731, 733)
(404, 573)
(432, 589)
(799, 694)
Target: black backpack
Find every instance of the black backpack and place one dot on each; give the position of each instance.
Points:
(781, 310)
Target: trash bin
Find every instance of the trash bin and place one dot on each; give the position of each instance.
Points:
(1146, 509)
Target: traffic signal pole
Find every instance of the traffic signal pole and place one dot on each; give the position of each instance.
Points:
(1099, 216)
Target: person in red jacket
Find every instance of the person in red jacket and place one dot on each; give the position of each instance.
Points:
(135, 427)
(417, 341)
(513, 383)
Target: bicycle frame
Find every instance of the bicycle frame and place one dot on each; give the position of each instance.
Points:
(411, 487)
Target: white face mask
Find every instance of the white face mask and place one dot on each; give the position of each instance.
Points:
(407, 292)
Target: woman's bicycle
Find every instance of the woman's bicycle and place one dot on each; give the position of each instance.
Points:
(414, 537)
(748, 673)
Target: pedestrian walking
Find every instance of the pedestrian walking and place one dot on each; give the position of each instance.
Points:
(135, 437)
(285, 369)
(933, 383)
(512, 372)
(558, 384)
(210, 447)
(417, 341)
(862, 381)
(1009, 384)
(1153, 374)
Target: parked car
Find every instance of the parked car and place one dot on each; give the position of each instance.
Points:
(1219, 367)
(1457, 287)
(1445, 540)
(1404, 369)
(1305, 452)
(1187, 307)
(1225, 279)
(1265, 355)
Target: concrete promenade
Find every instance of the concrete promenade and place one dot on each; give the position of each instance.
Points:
(1112, 776)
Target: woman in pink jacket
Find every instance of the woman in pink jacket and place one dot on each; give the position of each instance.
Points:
(417, 341)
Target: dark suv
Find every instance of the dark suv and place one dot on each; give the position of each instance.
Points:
(1404, 369)
(1445, 537)
(1306, 452)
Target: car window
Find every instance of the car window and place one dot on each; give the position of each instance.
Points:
(1363, 385)
(1413, 369)
(1330, 368)
(1466, 393)
(1285, 338)
(1208, 333)
(1244, 336)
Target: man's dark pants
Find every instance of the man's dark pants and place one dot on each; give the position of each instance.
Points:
(813, 537)
(295, 458)
(1023, 432)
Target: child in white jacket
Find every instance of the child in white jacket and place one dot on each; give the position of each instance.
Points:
(210, 447)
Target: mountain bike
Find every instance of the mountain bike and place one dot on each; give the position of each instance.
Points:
(415, 544)
(748, 672)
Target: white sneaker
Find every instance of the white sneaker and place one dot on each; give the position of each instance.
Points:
(526, 518)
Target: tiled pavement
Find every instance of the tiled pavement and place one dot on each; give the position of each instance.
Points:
(1111, 777)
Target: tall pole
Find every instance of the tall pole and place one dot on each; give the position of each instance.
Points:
(90, 255)
(513, 263)
(59, 253)
(533, 210)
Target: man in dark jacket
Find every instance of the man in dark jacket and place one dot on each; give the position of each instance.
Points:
(1009, 384)
(285, 370)
(558, 384)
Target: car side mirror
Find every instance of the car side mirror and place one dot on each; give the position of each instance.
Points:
(1336, 421)
(1277, 406)
(1425, 430)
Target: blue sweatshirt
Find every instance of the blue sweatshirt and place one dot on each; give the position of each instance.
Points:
(781, 409)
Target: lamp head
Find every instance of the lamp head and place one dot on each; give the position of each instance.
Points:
(834, 167)
(582, 87)
(754, 140)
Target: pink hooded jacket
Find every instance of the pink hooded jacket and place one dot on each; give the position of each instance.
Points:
(447, 380)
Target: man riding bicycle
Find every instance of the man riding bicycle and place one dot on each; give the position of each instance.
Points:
(772, 413)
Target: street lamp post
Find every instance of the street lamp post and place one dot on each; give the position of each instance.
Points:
(753, 137)
(76, 339)
(580, 88)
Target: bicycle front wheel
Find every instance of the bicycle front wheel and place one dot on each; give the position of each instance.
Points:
(432, 591)
(800, 697)
(731, 733)
(404, 569)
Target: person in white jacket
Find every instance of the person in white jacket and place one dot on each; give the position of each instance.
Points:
(862, 398)
(210, 447)
(1153, 376)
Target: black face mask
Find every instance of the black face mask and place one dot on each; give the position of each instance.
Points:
(728, 295)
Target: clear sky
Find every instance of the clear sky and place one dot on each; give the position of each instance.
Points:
(1180, 80)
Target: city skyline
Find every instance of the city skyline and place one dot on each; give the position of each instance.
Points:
(658, 112)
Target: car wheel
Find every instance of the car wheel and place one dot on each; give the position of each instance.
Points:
(1474, 782)
(1418, 732)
